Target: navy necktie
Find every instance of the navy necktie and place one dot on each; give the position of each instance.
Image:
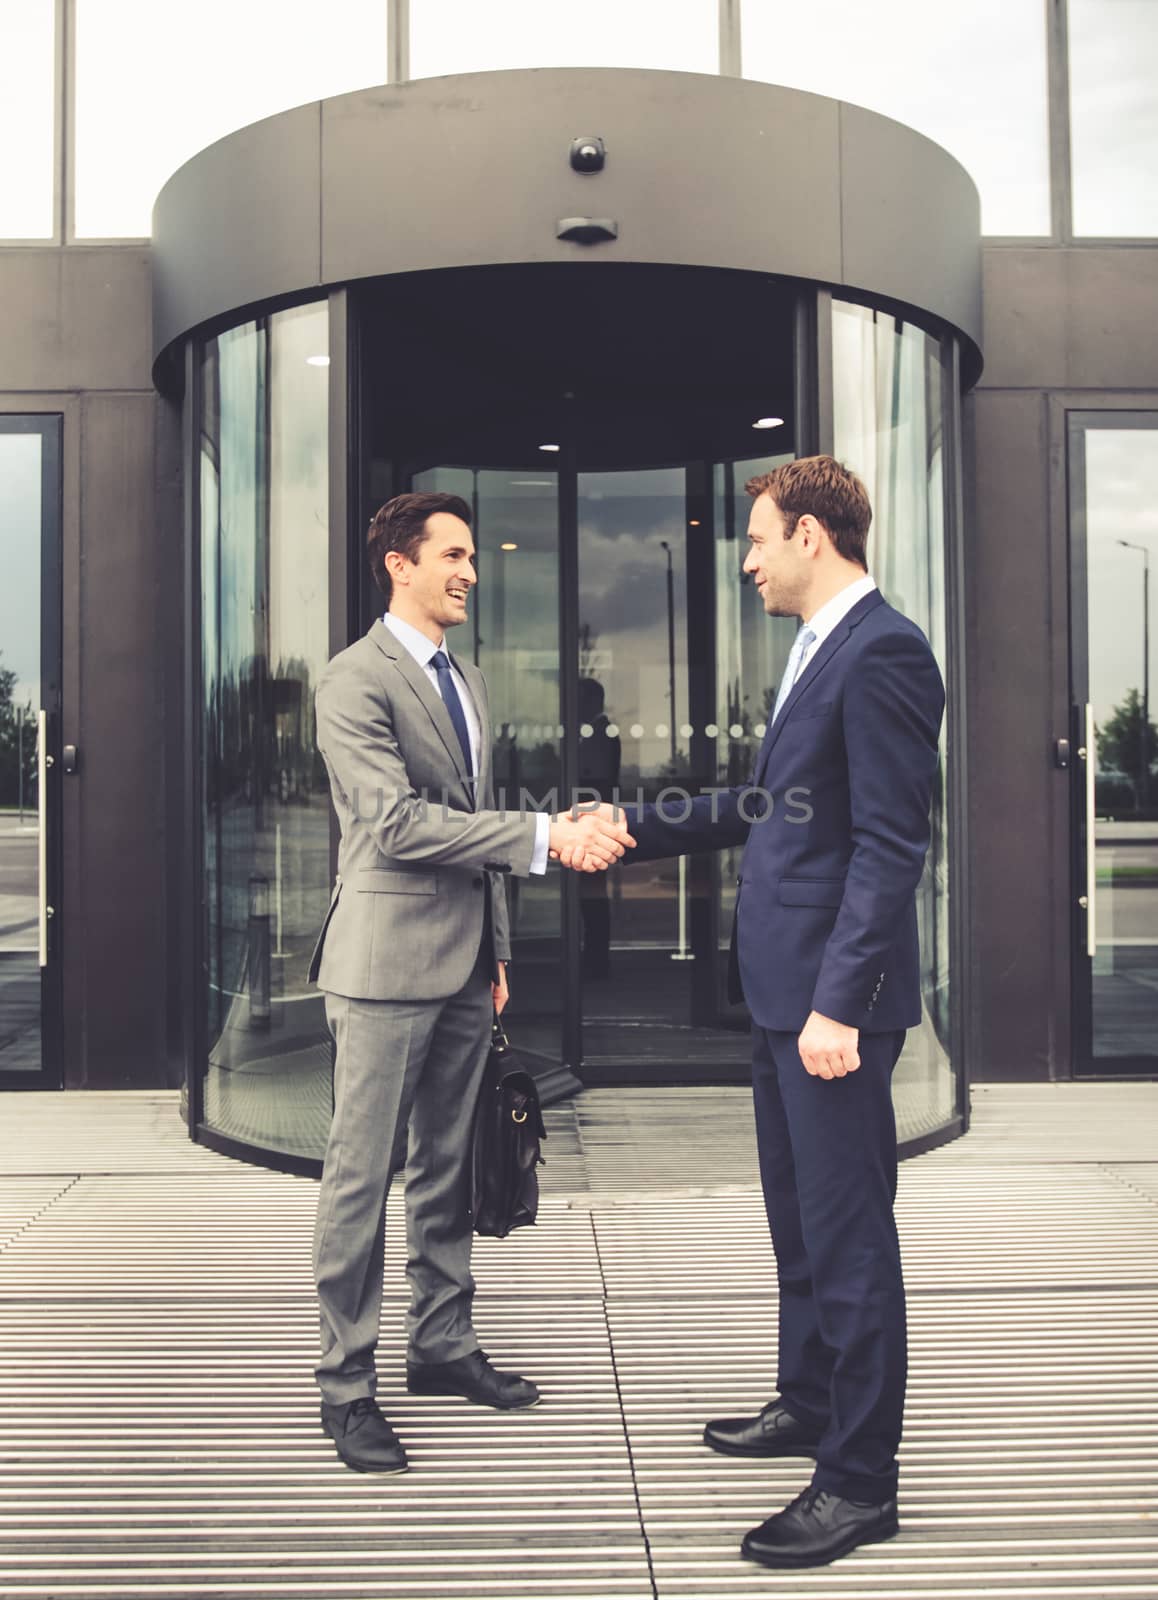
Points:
(450, 698)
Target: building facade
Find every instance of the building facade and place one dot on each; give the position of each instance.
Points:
(592, 298)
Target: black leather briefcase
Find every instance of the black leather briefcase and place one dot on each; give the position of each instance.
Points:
(508, 1126)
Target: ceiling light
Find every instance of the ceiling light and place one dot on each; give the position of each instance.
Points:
(551, 447)
(768, 422)
(694, 523)
(317, 361)
(508, 547)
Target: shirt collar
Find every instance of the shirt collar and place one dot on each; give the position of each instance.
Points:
(836, 609)
(415, 641)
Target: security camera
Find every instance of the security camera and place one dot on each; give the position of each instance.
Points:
(588, 154)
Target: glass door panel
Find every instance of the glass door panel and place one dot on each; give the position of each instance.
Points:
(1114, 543)
(29, 719)
(512, 634)
(633, 701)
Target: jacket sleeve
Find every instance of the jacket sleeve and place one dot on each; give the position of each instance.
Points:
(893, 705)
(500, 917)
(368, 774)
(710, 821)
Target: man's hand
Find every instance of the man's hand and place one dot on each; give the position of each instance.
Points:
(829, 1049)
(590, 841)
(500, 992)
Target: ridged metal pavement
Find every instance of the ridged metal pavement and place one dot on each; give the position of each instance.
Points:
(158, 1432)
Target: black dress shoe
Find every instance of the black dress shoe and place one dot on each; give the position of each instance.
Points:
(362, 1436)
(817, 1528)
(771, 1432)
(473, 1378)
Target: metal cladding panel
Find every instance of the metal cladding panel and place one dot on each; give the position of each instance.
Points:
(474, 170)
(238, 224)
(911, 219)
(75, 319)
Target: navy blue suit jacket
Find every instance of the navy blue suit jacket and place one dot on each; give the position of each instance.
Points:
(826, 916)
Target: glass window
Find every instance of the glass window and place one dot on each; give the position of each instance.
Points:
(192, 74)
(512, 635)
(486, 35)
(973, 78)
(888, 426)
(1114, 116)
(1113, 475)
(27, 119)
(265, 639)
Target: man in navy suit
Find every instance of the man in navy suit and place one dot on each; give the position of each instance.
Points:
(835, 827)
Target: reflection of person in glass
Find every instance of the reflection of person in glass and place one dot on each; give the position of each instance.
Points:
(825, 952)
(412, 959)
(599, 757)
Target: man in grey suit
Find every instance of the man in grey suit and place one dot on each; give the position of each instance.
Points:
(412, 959)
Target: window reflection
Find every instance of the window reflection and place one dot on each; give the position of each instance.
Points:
(751, 653)
(1114, 485)
(512, 634)
(888, 427)
(489, 35)
(898, 57)
(265, 563)
(1113, 61)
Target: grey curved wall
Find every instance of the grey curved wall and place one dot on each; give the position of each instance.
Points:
(474, 170)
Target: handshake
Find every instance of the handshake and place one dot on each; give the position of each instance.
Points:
(589, 840)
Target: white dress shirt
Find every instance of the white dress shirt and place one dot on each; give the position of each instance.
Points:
(423, 651)
(833, 611)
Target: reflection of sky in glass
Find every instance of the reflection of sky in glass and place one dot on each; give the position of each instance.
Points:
(20, 562)
(189, 74)
(972, 77)
(27, 95)
(1121, 503)
(1114, 116)
(487, 35)
(623, 517)
(299, 513)
(513, 614)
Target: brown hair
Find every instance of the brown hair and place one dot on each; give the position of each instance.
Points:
(401, 525)
(820, 487)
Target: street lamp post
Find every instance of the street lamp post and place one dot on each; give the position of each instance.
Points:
(671, 647)
(1144, 751)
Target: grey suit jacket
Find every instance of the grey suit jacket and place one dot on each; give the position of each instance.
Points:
(419, 864)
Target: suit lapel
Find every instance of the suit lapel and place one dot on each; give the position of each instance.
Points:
(426, 692)
(839, 635)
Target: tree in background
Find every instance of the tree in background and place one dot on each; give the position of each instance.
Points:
(1127, 747)
(15, 742)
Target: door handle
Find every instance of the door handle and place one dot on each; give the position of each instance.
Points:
(1089, 900)
(43, 760)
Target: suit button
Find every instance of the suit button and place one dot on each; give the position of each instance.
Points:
(477, 882)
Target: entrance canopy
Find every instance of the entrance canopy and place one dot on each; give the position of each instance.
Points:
(699, 171)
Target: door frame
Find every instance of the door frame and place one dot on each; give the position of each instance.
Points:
(1073, 1007)
(54, 418)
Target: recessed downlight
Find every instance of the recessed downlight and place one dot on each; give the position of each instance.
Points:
(768, 422)
(317, 361)
(551, 447)
(508, 547)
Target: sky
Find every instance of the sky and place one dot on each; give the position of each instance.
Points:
(972, 77)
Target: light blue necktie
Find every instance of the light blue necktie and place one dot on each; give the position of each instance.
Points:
(792, 671)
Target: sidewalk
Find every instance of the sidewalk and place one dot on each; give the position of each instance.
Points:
(159, 1430)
